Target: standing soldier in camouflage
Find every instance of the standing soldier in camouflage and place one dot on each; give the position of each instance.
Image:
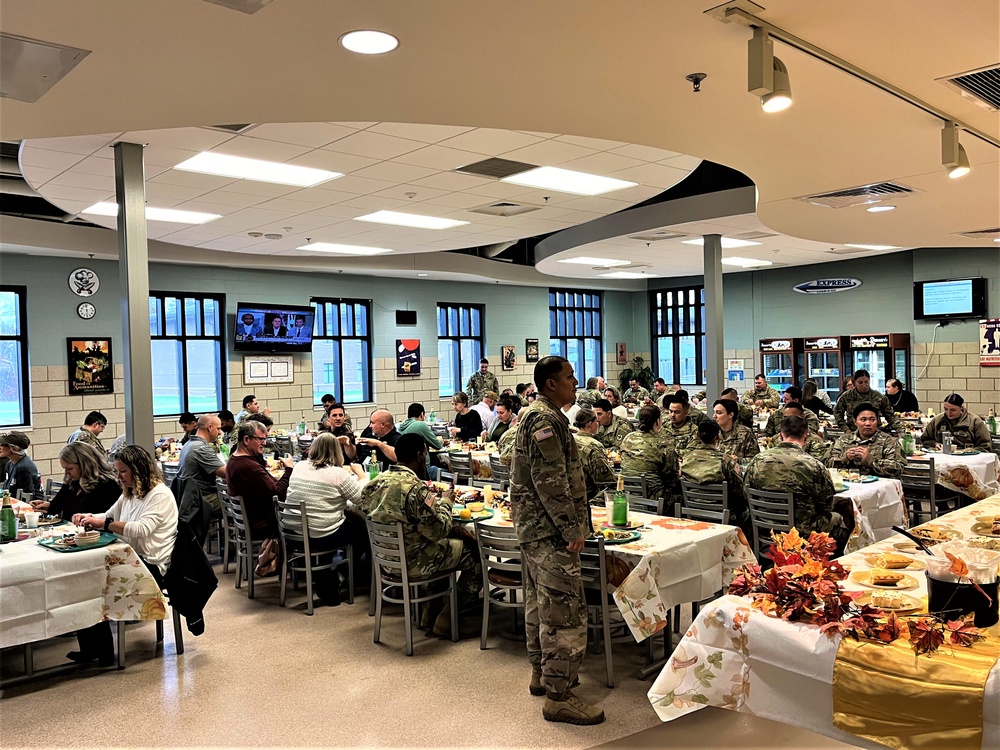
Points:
(402, 494)
(481, 382)
(787, 466)
(868, 450)
(613, 428)
(636, 393)
(707, 464)
(761, 395)
(863, 393)
(681, 428)
(549, 508)
(649, 452)
(735, 440)
(598, 473)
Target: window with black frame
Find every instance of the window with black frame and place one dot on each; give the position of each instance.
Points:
(678, 332)
(187, 333)
(575, 330)
(342, 350)
(461, 343)
(15, 400)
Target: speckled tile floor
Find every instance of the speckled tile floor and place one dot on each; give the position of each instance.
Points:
(265, 676)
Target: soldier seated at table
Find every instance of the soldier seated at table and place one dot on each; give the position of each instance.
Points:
(635, 394)
(613, 428)
(815, 446)
(598, 473)
(736, 440)
(787, 466)
(705, 463)
(649, 452)
(682, 428)
(745, 417)
(863, 393)
(868, 450)
(792, 395)
(761, 395)
(967, 430)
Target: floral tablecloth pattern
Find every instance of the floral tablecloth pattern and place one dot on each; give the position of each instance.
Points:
(130, 592)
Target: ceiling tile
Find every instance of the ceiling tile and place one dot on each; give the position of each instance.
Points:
(313, 197)
(658, 175)
(371, 203)
(312, 134)
(335, 212)
(683, 161)
(84, 144)
(254, 216)
(373, 145)
(491, 141)
(71, 178)
(458, 200)
(597, 144)
(417, 132)
(227, 198)
(359, 185)
(258, 148)
(286, 204)
(79, 194)
(423, 194)
(548, 153)
(595, 203)
(332, 161)
(394, 172)
(192, 179)
(38, 176)
(97, 165)
(644, 153)
(452, 181)
(166, 156)
(40, 157)
(262, 189)
(497, 190)
(441, 158)
(537, 134)
(601, 163)
(355, 125)
(193, 139)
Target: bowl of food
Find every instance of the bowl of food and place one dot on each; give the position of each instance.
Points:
(83, 538)
(475, 507)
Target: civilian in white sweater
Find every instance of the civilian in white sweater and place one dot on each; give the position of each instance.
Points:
(325, 488)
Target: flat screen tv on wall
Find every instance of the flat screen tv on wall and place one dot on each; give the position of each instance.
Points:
(949, 299)
(263, 327)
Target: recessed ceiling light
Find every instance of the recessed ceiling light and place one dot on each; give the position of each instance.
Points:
(745, 262)
(728, 243)
(871, 247)
(256, 170)
(996, 239)
(170, 215)
(880, 209)
(332, 247)
(418, 221)
(369, 42)
(567, 181)
(585, 260)
(623, 275)
(421, 274)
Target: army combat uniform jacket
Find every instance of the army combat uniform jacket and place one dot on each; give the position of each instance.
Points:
(770, 397)
(787, 467)
(885, 457)
(739, 442)
(706, 465)
(479, 384)
(612, 435)
(597, 471)
(639, 395)
(651, 455)
(844, 410)
(588, 398)
(773, 425)
(968, 431)
(685, 436)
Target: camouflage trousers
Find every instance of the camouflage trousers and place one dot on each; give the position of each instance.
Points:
(460, 556)
(555, 614)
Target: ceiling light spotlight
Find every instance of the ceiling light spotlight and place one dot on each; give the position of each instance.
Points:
(880, 209)
(696, 79)
(953, 156)
(767, 76)
(369, 42)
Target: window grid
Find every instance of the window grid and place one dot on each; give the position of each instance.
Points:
(576, 331)
(342, 350)
(15, 400)
(188, 351)
(677, 318)
(461, 343)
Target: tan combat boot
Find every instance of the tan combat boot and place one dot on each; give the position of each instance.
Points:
(570, 709)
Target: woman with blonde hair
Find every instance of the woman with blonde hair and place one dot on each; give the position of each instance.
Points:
(89, 483)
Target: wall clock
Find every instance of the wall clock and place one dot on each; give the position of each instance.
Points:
(86, 310)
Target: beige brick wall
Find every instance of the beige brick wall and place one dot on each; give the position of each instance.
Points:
(953, 367)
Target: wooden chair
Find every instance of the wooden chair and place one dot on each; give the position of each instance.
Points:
(769, 511)
(503, 572)
(389, 566)
(923, 498)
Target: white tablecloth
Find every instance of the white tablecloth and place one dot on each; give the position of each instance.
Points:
(735, 657)
(878, 506)
(985, 465)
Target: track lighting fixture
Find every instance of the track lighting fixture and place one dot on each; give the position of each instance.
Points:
(953, 156)
(767, 76)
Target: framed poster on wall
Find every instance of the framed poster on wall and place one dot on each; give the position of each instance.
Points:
(989, 343)
(261, 370)
(508, 358)
(531, 350)
(91, 367)
(407, 357)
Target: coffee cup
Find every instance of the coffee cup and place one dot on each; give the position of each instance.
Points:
(31, 519)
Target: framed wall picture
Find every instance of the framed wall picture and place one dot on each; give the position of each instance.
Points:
(621, 353)
(91, 367)
(407, 357)
(508, 358)
(531, 350)
(263, 370)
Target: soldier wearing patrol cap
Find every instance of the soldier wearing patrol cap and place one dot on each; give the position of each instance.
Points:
(549, 508)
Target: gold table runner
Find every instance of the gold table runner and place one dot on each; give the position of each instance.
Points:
(887, 694)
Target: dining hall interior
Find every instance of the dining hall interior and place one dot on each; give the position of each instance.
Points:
(598, 181)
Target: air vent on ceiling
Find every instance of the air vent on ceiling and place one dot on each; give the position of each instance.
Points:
(505, 208)
(243, 6)
(657, 236)
(859, 196)
(753, 235)
(496, 168)
(982, 234)
(980, 86)
(240, 127)
(848, 250)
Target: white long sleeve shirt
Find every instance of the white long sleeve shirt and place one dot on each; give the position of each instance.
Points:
(150, 524)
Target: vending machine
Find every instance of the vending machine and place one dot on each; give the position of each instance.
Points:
(823, 363)
(780, 361)
(884, 355)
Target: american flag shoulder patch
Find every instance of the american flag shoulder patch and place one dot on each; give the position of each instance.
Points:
(543, 434)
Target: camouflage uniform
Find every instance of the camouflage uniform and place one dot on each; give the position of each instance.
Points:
(588, 398)
(885, 457)
(774, 421)
(685, 436)
(745, 417)
(739, 442)
(505, 446)
(399, 495)
(697, 416)
(707, 465)
(479, 384)
(651, 455)
(968, 431)
(597, 470)
(639, 395)
(548, 500)
(844, 410)
(86, 436)
(612, 435)
(815, 446)
(770, 397)
(786, 467)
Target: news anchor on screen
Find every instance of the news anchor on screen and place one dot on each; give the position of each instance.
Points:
(248, 328)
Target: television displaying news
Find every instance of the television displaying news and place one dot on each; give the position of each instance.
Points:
(262, 327)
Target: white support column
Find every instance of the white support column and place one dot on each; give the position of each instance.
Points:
(715, 362)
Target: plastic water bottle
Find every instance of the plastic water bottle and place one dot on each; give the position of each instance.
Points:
(619, 512)
(433, 417)
(373, 470)
(908, 443)
(302, 426)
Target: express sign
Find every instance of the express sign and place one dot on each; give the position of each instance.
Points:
(827, 286)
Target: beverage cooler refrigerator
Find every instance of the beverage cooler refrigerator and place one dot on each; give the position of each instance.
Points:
(823, 360)
(884, 355)
(781, 361)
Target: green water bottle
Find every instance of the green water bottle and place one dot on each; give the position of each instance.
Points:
(619, 511)
(908, 443)
(302, 426)
(8, 521)
(991, 422)
(433, 417)
(373, 469)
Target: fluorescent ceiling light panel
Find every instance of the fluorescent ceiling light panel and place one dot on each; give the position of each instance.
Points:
(369, 42)
(399, 219)
(332, 247)
(624, 275)
(170, 215)
(567, 181)
(745, 262)
(880, 209)
(588, 261)
(871, 247)
(728, 243)
(256, 170)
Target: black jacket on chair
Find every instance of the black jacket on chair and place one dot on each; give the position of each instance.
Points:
(190, 580)
(191, 508)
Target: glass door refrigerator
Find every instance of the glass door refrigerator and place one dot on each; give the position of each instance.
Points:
(823, 363)
(778, 360)
(884, 355)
